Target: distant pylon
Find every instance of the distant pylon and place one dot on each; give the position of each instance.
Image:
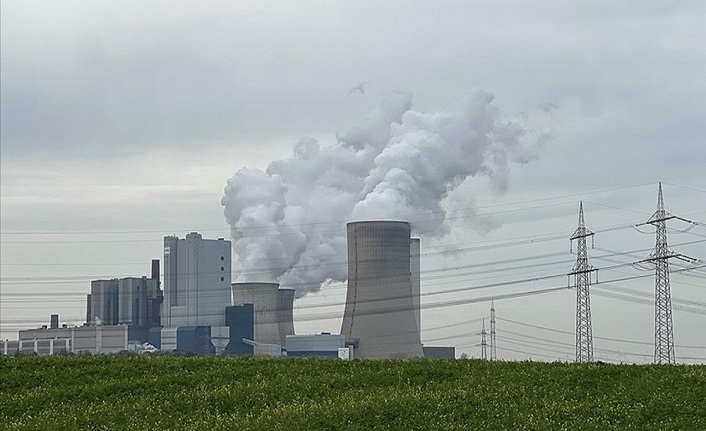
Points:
(664, 335)
(582, 280)
(483, 343)
(493, 342)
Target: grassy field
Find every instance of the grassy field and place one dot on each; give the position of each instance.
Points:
(173, 393)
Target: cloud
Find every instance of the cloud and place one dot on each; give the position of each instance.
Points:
(397, 163)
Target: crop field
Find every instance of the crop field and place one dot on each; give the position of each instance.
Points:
(219, 393)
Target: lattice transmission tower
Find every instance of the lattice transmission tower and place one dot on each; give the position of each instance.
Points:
(493, 342)
(664, 333)
(483, 343)
(582, 281)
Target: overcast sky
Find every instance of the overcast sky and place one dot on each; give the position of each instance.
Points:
(121, 122)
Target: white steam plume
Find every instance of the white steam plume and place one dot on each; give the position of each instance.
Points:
(288, 222)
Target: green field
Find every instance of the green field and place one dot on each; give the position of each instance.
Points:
(173, 393)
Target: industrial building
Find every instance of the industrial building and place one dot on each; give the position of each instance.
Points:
(439, 352)
(78, 339)
(380, 311)
(322, 345)
(273, 308)
(197, 275)
(128, 301)
(208, 340)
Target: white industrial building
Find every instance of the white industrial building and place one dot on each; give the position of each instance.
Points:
(197, 275)
(79, 339)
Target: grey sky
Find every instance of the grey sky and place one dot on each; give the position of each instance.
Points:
(131, 116)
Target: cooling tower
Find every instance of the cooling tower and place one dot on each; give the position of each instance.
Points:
(273, 315)
(415, 270)
(379, 311)
(286, 314)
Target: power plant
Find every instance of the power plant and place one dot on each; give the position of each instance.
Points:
(201, 311)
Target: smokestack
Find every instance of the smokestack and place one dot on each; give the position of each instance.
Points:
(379, 309)
(155, 271)
(54, 321)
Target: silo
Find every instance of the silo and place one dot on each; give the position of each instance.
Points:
(379, 310)
(286, 314)
(265, 300)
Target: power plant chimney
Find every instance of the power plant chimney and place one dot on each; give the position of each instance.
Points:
(380, 311)
(155, 271)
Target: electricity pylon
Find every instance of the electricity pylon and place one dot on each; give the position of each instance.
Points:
(483, 343)
(493, 342)
(664, 333)
(582, 280)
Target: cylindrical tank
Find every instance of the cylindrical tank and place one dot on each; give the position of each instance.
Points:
(265, 300)
(286, 314)
(379, 309)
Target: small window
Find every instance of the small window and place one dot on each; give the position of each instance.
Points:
(223, 279)
(223, 268)
(223, 258)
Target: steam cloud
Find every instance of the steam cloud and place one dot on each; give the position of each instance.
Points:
(288, 222)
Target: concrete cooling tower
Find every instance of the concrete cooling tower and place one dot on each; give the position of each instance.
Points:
(380, 311)
(272, 306)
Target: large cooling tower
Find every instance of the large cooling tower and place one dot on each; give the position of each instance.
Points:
(380, 312)
(273, 316)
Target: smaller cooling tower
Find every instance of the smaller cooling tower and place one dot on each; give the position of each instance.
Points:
(286, 314)
(415, 268)
(273, 314)
(380, 311)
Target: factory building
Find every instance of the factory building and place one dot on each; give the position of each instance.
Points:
(78, 339)
(197, 275)
(439, 352)
(208, 340)
(322, 345)
(273, 308)
(380, 311)
(128, 301)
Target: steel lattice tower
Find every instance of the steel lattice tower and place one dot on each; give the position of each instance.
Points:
(483, 343)
(493, 342)
(664, 335)
(582, 280)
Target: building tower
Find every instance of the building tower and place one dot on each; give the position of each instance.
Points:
(664, 335)
(582, 280)
(196, 281)
(483, 343)
(493, 342)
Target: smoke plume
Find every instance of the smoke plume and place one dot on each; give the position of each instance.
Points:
(288, 222)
